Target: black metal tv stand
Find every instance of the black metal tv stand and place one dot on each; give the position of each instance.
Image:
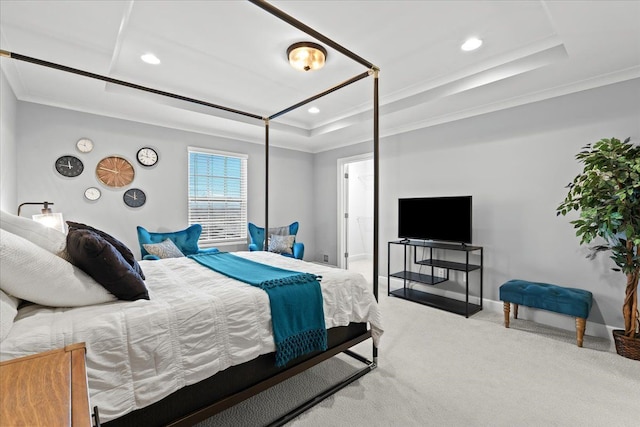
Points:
(465, 307)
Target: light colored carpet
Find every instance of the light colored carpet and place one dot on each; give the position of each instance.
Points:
(440, 369)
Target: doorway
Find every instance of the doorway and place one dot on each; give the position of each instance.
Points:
(355, 210)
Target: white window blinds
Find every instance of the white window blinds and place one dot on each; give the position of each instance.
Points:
(218, 194)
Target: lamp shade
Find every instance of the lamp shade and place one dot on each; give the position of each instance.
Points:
(306, 56)
(48, 218)
(51, 220)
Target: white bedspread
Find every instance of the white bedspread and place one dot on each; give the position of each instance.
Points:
(198, 322)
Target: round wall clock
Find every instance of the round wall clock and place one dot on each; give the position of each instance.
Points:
(134, 197)
(84, 145)
(115, 171)
(92, 193)
(69, 166)
(147, 156)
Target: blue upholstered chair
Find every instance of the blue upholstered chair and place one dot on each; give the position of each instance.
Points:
(186, 240)
(257, 240)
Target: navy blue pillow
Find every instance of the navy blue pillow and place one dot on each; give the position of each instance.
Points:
(102, 261)
(121, 247)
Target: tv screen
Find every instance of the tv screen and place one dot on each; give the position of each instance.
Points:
(435, 218)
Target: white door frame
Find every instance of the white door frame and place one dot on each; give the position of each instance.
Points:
(342, 204)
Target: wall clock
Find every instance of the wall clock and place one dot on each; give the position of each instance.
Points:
(134, 197)
(147, 156)
(115, 171)
(92, 193)
(69, 166)
(84, 145)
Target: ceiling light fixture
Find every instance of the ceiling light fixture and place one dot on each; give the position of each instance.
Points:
(471, 44)
(150, 58)
(314, 110)
(306, 56)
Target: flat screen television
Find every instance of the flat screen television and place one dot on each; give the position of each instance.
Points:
(445, 219)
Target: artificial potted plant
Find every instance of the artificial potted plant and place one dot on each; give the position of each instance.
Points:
(607, 195)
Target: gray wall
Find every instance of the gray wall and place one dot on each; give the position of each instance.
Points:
(516, 164)
(8, 164)
(45, 133)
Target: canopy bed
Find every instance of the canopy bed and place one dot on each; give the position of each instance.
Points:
(188, 384)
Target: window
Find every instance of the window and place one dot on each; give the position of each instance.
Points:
(218, 195)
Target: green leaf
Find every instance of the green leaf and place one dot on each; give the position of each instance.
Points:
(607, 196)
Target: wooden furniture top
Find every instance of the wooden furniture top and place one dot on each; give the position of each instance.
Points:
(46, 389)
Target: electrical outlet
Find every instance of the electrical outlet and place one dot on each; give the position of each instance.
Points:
(326, 258)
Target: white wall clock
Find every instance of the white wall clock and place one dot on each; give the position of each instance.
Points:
(147, 156)
(92, 193)
(84, 145)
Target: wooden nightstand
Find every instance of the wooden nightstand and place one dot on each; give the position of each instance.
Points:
(46, 389)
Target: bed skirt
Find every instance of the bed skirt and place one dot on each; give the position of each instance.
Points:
(193, 403)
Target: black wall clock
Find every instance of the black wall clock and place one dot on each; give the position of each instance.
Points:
(134, 197)
(147, 156)
(69, 166)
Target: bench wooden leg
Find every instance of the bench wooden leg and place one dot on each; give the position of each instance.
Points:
(581, 325)
(515, 311)
(507, 307)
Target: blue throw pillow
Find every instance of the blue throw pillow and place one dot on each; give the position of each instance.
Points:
(186, 240)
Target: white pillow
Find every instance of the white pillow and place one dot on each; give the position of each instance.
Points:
(8, 311)
(30, 272)
(48, 238)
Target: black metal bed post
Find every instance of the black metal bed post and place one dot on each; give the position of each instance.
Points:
(266, 183)
(376, 190)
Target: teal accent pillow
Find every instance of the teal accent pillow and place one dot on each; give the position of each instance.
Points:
(186, 240)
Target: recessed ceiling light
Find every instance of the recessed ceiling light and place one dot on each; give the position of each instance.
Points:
(314, 110)
(150, 58)
(471, 44)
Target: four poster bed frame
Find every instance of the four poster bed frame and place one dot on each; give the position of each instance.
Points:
(199, 401)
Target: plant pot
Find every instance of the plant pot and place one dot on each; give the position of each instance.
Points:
(628, 347)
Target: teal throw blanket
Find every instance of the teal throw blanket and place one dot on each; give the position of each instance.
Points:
(296, 302)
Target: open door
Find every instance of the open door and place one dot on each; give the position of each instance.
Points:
(355, 248)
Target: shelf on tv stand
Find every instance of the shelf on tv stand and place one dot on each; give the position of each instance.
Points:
(437, 301)
(418, 277)
(449, 265)
(423, 297)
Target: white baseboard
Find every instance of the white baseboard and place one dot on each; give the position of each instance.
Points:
(543, 317)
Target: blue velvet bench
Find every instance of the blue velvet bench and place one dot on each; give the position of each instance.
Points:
(569, 301)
